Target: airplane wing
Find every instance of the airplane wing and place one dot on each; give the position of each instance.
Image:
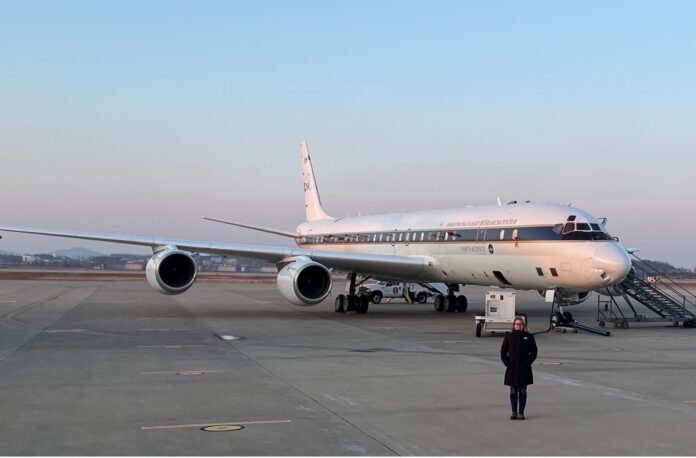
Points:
(255, 228)
(372, 264)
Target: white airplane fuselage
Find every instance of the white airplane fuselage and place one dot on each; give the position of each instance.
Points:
(513, 246)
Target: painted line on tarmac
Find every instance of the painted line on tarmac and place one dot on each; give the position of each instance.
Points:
(168, 346)
(8, 302)
(444, 341)
(65, 330)
(689, 402)
(164, 329)
(225, 423)
(159, 318)
(181, 372)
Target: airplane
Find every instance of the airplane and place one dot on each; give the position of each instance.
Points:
(561, 251)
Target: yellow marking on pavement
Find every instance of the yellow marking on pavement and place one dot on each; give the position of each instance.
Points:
(211, 424)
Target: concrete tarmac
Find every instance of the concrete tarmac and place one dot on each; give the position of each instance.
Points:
(114, 368)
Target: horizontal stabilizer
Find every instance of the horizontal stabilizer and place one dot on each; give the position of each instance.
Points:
(255, 228)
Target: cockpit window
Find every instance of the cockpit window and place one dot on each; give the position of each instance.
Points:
(571, 218)
(568, 228)
(581, 231)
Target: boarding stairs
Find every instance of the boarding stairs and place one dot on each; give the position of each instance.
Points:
(644, 284)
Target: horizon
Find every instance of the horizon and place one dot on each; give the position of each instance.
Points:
(135, 118)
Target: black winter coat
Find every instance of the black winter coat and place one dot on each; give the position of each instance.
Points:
(518, 352)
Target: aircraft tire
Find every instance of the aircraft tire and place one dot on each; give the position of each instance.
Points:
(422, 297)
(479, 328)
(376, 297)
(439, 303)
(340, 305)
(556, 319)
(363, 303)
(567, 316)
(462, 304)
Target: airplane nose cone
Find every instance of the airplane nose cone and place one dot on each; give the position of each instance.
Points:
(612, 263)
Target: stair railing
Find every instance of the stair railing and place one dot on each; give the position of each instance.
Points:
(665, 282)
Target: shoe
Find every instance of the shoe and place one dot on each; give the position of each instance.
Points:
(514, 416)
(520, 416)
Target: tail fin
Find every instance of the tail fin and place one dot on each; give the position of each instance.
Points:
(311, 193)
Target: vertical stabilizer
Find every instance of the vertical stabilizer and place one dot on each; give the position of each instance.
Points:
(311, 193)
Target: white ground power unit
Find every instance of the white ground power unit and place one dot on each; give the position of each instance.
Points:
(499, 313)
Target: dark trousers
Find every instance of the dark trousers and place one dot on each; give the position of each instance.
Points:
(518, 394)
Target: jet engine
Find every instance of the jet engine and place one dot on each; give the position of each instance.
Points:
(171, 271)
(304, 282)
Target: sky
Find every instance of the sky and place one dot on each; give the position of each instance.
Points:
(140, 117)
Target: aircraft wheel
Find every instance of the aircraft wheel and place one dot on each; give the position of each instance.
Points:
(376, 297)
(479, 328)
(462, 304)
(422, 297)
(340, 305)
(601, 324)
(451, 303)
(363, 304)
(556, 318)
(439, 303)
(567, 316)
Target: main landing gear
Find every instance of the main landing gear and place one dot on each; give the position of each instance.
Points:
(351, 302)
(450, 302)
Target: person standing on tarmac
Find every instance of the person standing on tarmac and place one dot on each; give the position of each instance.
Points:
(518, 352)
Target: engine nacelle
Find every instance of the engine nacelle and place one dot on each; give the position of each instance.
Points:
(171, 271)
(304, 282)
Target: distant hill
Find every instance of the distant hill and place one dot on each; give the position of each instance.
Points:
(77, 253)
(662, 267)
